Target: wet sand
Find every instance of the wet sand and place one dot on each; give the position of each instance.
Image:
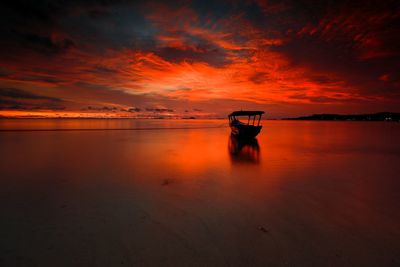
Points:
(303, 194)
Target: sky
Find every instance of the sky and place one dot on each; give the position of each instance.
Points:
(146, 59)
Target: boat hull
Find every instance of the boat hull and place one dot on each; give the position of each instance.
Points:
(245, 131)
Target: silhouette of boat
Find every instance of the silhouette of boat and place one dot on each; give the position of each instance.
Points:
(241, 129)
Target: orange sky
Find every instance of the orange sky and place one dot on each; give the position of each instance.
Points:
(199, 59)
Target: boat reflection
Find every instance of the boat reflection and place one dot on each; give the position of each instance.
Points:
(244, 150)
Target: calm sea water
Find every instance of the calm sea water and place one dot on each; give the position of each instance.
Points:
(151, 192)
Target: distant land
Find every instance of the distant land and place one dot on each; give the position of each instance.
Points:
(381, 116)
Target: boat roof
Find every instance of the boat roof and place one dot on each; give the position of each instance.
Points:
(246, 113)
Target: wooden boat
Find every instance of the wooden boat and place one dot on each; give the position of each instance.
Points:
(242, 129)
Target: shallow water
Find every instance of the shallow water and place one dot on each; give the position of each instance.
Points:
(173, 192)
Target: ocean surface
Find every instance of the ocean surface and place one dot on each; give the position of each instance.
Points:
(184, 193)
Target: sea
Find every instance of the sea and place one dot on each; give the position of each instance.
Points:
(130, 192)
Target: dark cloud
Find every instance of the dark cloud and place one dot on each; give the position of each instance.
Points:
(103, 70)
(323, 79)
(159, 110)
(31, 78)
(315, 99)
(134, 109)
(258, 77)
(12, 98)
(20, 94)
(212, 56)
(45, 44)
(54, 26)
(103, 108)
(339, 59)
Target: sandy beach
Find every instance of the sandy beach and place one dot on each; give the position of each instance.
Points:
(304, 194)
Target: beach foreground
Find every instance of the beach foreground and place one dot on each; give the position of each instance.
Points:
(303, 194)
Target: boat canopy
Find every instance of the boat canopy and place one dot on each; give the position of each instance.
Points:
(233, 121)
(246, 113)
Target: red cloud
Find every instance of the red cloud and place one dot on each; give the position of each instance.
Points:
(192, 59)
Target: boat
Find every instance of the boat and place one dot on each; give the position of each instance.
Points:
(242, 129)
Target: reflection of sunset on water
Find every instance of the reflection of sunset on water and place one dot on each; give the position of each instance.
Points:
(244, 150)
(306, 183)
